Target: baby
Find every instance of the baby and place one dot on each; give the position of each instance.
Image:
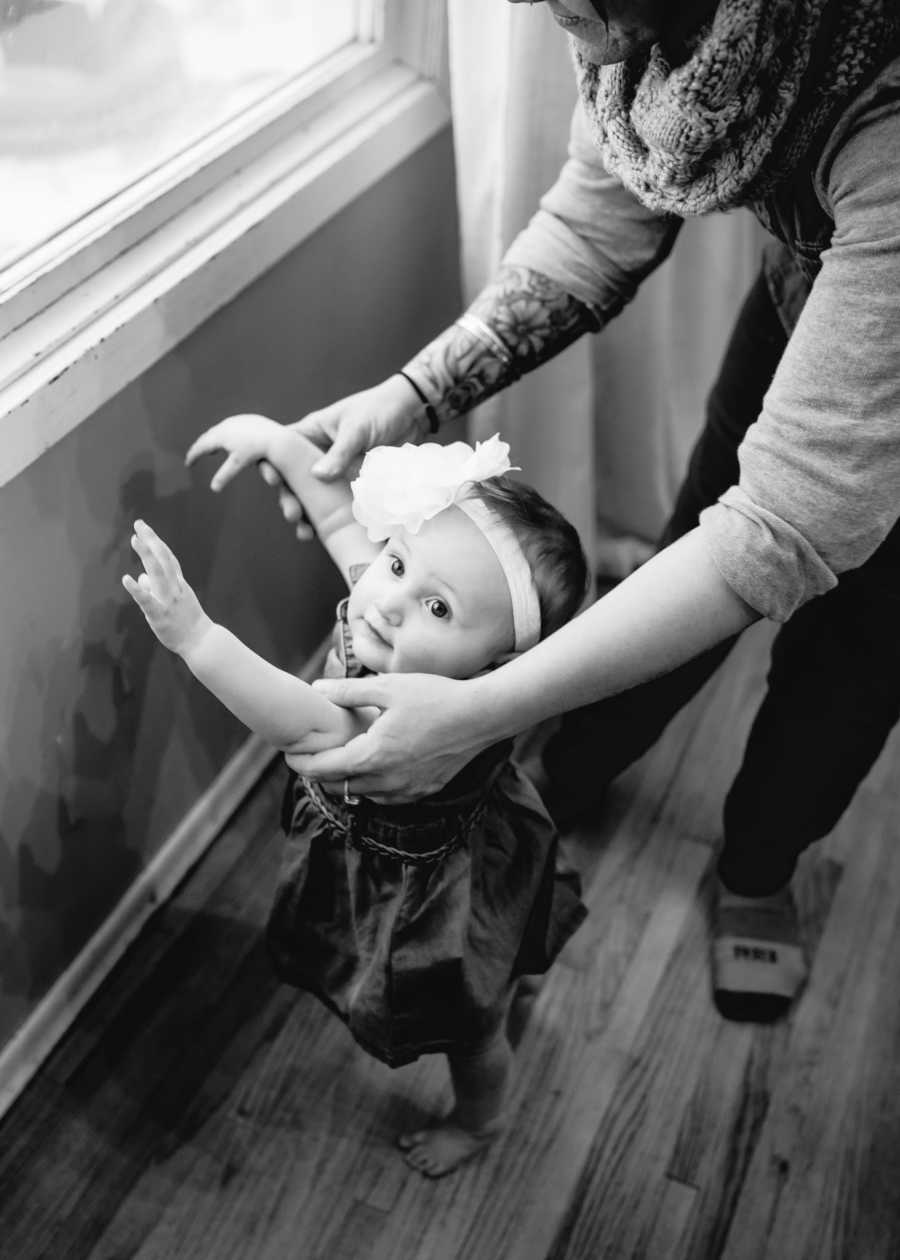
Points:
(412, 923)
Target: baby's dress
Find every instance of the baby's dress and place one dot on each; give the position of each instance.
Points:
(412, 921)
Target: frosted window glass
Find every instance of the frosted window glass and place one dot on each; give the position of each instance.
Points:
(95, 94)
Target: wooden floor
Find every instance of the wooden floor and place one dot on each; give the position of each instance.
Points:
(201, 1110)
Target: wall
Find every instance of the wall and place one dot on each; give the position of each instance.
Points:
(106, 740)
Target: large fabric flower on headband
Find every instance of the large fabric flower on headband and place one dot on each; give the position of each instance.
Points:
(408, 485)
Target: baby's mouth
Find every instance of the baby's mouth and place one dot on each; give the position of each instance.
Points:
(376, 633)
(567, 19)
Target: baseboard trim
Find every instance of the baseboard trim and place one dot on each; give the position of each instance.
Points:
(30, 1046)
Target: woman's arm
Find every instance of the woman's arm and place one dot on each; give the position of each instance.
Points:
(281, 708)
(577, 263)
(667, 612)
(519, 321)
(820, 468)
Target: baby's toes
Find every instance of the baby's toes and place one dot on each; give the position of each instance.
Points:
(406, 1141)
(421, 1160)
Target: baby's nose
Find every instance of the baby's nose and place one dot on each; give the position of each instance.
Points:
(390, 608)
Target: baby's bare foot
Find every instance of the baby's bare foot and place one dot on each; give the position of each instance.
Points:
(520, 1008)
(441, 1148)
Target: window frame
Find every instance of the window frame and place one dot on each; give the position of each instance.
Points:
(71, 255)
(80, 315)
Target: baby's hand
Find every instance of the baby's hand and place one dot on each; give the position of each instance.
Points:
(172, 609)
(247, 439)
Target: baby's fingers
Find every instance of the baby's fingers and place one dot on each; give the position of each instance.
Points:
(230, 469)
(204, 445)
(157, 558)
(140, 592)
(291, 507)
(141, 546)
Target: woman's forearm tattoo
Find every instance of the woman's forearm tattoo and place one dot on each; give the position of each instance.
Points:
(519, 321)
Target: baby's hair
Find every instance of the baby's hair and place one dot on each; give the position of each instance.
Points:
(549, 542)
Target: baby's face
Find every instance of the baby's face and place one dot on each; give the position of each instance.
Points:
(434, 602)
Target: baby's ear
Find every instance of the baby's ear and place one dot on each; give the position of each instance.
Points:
(355, 572)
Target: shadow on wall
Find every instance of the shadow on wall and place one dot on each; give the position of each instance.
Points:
(86, 716)
(108, 742)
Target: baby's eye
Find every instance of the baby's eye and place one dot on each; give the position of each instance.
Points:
(438, 608)
(397, 566)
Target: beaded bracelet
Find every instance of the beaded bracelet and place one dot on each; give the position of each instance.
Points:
(430, 413)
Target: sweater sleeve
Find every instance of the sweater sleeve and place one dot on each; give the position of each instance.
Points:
(819, 486)
(590, 234)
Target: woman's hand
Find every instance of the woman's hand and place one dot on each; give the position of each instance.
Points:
(247, 439)
(424, 736)
(385, 415)
(172, 609)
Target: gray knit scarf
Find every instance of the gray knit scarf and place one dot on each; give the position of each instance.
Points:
(759, 84)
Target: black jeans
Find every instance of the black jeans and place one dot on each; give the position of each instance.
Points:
(833, 690)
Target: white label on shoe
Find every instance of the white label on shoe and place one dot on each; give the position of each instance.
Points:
(742, 965)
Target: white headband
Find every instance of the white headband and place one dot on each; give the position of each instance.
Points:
(526, 607)
(408, 485)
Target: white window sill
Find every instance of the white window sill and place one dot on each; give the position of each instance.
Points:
(68, 360)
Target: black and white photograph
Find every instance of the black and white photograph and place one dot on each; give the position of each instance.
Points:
(449, 629)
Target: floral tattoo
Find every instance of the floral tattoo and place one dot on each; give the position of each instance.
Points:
(525, 318)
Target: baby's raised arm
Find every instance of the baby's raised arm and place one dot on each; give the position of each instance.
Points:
(275, 704)
(250, 439)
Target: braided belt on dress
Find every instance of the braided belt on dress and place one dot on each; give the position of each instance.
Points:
(349, 827)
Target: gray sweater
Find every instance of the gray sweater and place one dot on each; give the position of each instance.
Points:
(819, 484)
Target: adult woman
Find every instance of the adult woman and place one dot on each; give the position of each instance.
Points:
(789, 507)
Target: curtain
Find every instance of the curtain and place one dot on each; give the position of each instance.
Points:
(604, 429)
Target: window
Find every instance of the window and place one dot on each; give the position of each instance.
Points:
(157, 156)
(126, 110)
(96, 95)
